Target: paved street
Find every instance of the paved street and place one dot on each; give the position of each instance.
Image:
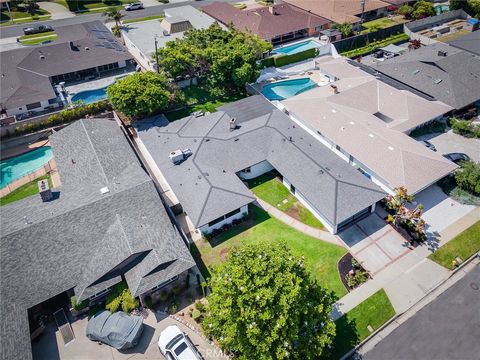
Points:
(17, 30)
(446, 329)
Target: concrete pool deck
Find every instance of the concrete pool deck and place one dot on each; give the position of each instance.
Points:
(94, 84)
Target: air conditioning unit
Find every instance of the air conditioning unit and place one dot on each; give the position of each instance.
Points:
(176, 156)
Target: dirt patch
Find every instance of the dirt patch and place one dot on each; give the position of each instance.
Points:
(224, 253)
(294, 211)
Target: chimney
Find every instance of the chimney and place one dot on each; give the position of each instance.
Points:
(334, 88)
(73, 47)
(233, 124)
(272, 10)
(442, 53)
(44, 190)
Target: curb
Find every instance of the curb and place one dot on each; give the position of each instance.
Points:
(397, 316)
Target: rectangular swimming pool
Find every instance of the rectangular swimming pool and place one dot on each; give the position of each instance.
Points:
(297, 47)
(282, 90)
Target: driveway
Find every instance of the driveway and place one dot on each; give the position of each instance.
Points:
(449, 142)
(446, 329)
(56, 10)
(51, 346)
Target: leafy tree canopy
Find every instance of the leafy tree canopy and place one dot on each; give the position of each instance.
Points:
(226, 58)
(264, 305)
(140, 94)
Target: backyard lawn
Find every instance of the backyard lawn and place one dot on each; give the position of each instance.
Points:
(320, 257)
(377, 24)
(463, 245)
(24, 191)
(352, 328)
(20, 16)
(269, 188)
(198, 98)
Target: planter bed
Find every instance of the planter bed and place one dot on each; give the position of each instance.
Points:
(344, 268)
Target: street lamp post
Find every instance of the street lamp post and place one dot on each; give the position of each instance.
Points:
(156, 54)
(362, 3)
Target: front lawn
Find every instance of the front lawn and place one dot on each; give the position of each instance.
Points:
(93, 6)
(19, 16)
(24, 191)
(35, 39)
(463, 245)
(199, 98)
(270, 189)
(146, 18)
(352, 328)
(320, 257)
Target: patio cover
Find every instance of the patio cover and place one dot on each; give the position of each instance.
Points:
(393, 49)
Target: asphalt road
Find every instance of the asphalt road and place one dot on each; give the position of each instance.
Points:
(446, 329)
(17, 30)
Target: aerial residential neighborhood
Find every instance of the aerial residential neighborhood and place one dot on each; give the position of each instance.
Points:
(239, 179)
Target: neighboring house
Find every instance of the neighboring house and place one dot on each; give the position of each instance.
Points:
(106, 223)
(276, 24)
(140, 38)
(243, 140)
(469, 42)
(29, 73)
(365, 121)
(344, 11)
(443, 72)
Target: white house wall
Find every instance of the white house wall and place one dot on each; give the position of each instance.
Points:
(256, 170)
(205, 229)
(141, 58)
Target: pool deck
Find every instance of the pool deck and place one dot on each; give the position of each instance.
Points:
(22, 149)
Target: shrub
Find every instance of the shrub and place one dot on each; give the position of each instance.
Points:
(176, 290)
(282, 60)
(76, 305)
(173, 307)
(267, 62)
(465, 128)
(164, 296)
(196, 315)
(433, 127)
(200, 306)
(148, 302)
(121, 297)
(468, 177)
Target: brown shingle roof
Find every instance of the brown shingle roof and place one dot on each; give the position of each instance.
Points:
(339, 11)
(261, 21)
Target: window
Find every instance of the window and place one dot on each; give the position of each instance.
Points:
(34, 106)
(231, 213)
(247, 170)
(98, 294)
(52, 101)
(216, 221)
(292, 189)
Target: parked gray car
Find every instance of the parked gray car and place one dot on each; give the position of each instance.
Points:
(119, 330)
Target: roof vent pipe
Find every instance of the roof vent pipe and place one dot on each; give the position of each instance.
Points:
(442, 53)
(233, 124)
(334, 88)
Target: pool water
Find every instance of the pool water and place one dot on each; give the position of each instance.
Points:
(282, 90)
(19, 166)
(90, 96)
(296, 48)
(439, 9)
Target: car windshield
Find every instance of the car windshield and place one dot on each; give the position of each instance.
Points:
(174, 341)
(180, 348)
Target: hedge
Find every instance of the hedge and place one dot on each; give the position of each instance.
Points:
(364, 50)
(282, 60)
(465, 128)
(63, 117)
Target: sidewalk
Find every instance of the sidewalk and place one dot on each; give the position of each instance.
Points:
(298, 225)
(409, 278)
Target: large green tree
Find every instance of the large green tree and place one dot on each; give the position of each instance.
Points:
(423, 9)
(225, 58)
(140, 94)
(264, 305)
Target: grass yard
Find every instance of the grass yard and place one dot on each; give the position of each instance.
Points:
(24, 191)
(94, 6)
(377, 24)
(20, 16)
(35, 39)
(199, 98)
(463, 245)
(146, 18)
(352, 328)
(320, 257)
(364, 50)
(269, 188)
(453, 36)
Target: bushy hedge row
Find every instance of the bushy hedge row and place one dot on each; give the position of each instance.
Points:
(364, 50)
(63, 117)
(121, 297)
(282, 60)
(465, 128)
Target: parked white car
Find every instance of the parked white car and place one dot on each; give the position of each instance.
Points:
(134, 6)
(175, 345)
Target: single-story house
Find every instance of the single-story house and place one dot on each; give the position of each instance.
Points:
(243, 140)
(276, 24)
(142, 37)
(104, 224)
(30, 73)
(469, 42)
(344, 11)
(366, 121)
(443, 72)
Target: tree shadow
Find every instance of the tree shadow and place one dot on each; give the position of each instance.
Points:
(259, 180)
(346, 338)
(197, 255)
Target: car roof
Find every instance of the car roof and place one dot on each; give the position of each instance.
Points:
(187, 353)
(167, 335)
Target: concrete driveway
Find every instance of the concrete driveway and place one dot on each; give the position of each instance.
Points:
(449, 142)
(56, 10)
(51, 347)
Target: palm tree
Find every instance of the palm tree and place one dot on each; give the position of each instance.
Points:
(114, 15)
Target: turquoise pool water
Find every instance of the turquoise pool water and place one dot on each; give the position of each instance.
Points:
(281, 90)
(19, 166)
(91, 96)
(296, 48)
(439, 9)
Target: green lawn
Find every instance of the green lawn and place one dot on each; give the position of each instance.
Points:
(37, 38)
(320, 257)
(199, 98)
(352, 328)
(364, 50)
(269, 188)
(463, 245)
(151, 17)
(377, 24)
(20, 16)
(24, 191)
(94, 6)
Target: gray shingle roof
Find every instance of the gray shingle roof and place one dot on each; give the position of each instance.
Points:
(75, 240)
(25, 75)
(453, 79)
(469, 42)
(206, 183)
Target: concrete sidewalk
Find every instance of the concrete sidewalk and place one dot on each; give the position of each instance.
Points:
(298, 225)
